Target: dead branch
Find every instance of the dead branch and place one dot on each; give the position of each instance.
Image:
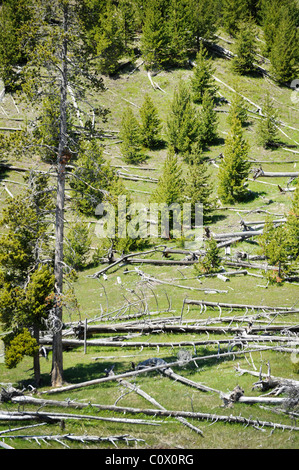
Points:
(172, 413)
(159, 281)
(281, 380)
(149, 369)
(71, 437)
(155, 403)
(125, 258)
(274, 174)
(58, 417)
(239, 306)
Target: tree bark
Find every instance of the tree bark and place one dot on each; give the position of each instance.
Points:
(57, 357)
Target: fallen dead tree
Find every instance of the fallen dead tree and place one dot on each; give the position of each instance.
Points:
(244, 264)
(162, 327)
(195, 415)
(282, 381)
(274, 174)
(155, 403)
(85, 438)
(239, 306)
(146, 370)
(240, 235)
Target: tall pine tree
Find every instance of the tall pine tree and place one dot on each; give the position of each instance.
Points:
(198, 184)
(182, 120)
(154, 37)
(234, 168)
(202, 77)
(150, 123)
(130, 134)
(267, 125)
(245, 48)
(169, 191)
(284, 56)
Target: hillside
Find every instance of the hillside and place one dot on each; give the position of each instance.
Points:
(239, 325)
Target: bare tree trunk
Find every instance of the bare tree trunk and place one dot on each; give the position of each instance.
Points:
(57, 358)
(36, 361)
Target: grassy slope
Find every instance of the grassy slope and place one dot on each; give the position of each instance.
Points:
(219, 374)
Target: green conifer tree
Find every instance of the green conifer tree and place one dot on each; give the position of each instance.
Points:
(170, 188)
(245, 47)
(154, 37)
(233, 11)
(182, 121)
(26, 275)
(150, 123)
(284, 56)
(15, 23)
(292, 225)
(237, 110)
(202, 78)
(198, 184)
(211, 261)
(208, 120)
(91, 177)
(109, 39)
(77, 248)
(234, 168)
(202, 22)
(274, 245)
(130, 134)
(177, 32)
(267, 125)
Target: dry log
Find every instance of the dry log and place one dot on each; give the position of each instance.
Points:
(125, 258)
(58, 417)
(72, 437)
(238, 306)
(159, 281)
(274, 174)
(243, 264)
(281, 380)
(148, 369)
(155, 403)
(243, 234)
(170, 413)
(162, 326)
(179, 378)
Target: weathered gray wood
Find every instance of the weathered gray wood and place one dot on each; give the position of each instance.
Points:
(155, 403)
(146, 370)
(238, 306)
(173, 413)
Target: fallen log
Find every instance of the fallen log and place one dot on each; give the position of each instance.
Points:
(185, 414)
(58, 417)
(181, 328)
(179, 378)
(242, 234)
(239, 306)
(281, 380)
(264, 267)
(274, 174)
(146, 370)
(159, 281)
(124, 259)
(72, 437)
(155, 403)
